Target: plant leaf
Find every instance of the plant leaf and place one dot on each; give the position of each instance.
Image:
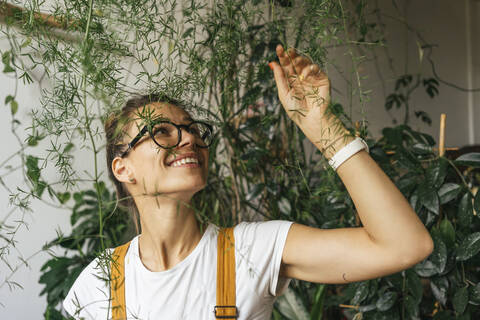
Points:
(386, 301)
(465, 210)
(448, 232)
(439, 288)
(469, 247)
(439, 254)
(469, 159)
(460, 300)
(448, 192)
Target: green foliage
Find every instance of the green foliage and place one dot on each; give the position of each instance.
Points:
(83, 244)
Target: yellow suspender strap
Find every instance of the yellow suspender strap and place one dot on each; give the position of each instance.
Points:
(226, 307)
(117, 282)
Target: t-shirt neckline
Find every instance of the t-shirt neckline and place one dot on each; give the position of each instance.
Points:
(181, 265)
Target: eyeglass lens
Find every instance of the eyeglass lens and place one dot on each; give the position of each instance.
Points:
(167, 135)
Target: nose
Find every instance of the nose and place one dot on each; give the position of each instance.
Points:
(187, 137)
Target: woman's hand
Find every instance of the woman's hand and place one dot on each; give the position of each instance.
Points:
(304, 91)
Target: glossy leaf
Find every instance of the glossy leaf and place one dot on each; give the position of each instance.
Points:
(411, 308)
(469, 247)
(414, 285)
(425, 268)
(448, 192)
(439, 255)
(436, 172)
(469, 159)
(361, 292)
(429, 197)
(439, 288)
(460, 300)
(386, 301)
(291, 306)
(447, 232)
(465, 210)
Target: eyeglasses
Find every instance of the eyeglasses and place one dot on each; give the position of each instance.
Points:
(168, 135)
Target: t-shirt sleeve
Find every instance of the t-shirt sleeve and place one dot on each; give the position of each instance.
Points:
(259, 251)
(88, 297)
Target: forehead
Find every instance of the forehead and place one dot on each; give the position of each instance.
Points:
(157, 110)
(168, 111)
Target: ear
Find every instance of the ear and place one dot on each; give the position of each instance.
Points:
(121, 170)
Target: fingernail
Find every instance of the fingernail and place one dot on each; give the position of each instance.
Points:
(271, 65)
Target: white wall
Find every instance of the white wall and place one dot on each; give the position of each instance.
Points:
(441, 22)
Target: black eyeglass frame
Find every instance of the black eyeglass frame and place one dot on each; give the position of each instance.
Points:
(179, 128)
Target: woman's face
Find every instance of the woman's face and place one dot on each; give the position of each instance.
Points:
(155, 169)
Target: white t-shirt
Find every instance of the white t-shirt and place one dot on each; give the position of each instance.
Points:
(188, 290)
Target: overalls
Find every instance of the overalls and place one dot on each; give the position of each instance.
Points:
(225, 308)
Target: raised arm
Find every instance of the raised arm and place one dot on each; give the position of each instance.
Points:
(392, 237)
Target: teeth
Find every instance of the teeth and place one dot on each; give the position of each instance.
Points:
(184, 161)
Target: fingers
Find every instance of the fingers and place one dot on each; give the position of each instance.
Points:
(310, 70)
(295, 65)
(280, 80)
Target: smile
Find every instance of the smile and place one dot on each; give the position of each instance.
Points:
(186, 163)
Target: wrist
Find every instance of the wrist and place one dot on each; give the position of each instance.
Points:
(345, 153)
(336, 145)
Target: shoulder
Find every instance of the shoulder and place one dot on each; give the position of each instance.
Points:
(89, 294)
(262, 229)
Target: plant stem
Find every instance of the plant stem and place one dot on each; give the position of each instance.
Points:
(89, 130)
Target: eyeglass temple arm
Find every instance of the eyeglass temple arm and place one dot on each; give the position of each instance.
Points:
(135, 140)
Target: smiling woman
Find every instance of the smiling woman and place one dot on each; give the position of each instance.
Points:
(157, 156)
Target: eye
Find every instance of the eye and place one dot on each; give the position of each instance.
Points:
(162, 130)
(195, 131)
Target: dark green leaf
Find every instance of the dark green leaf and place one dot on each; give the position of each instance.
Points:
(8, 99)
(414, 285)
(439, 286)
(361, 292)
(426, 268)
(436, 172)
(475, 294)
(448, 192)
(465, 210)
(447, 232)
(469, 159)
(421, 148)
(411, 308)
(439, 255)
(386, 301)
(460, 300)
(428, 197)
(469, 247)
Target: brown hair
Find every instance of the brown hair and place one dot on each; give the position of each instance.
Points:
(116, 125)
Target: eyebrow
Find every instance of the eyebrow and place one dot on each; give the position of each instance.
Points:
(187, 118)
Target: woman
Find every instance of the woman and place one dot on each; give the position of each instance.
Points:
(170, 267)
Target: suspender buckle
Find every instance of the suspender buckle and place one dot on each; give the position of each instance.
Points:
(234, 316)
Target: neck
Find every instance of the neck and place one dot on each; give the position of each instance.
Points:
(170, 231)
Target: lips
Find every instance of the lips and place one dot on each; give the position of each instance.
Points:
(187, 159)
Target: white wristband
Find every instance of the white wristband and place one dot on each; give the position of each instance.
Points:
(346, 152)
